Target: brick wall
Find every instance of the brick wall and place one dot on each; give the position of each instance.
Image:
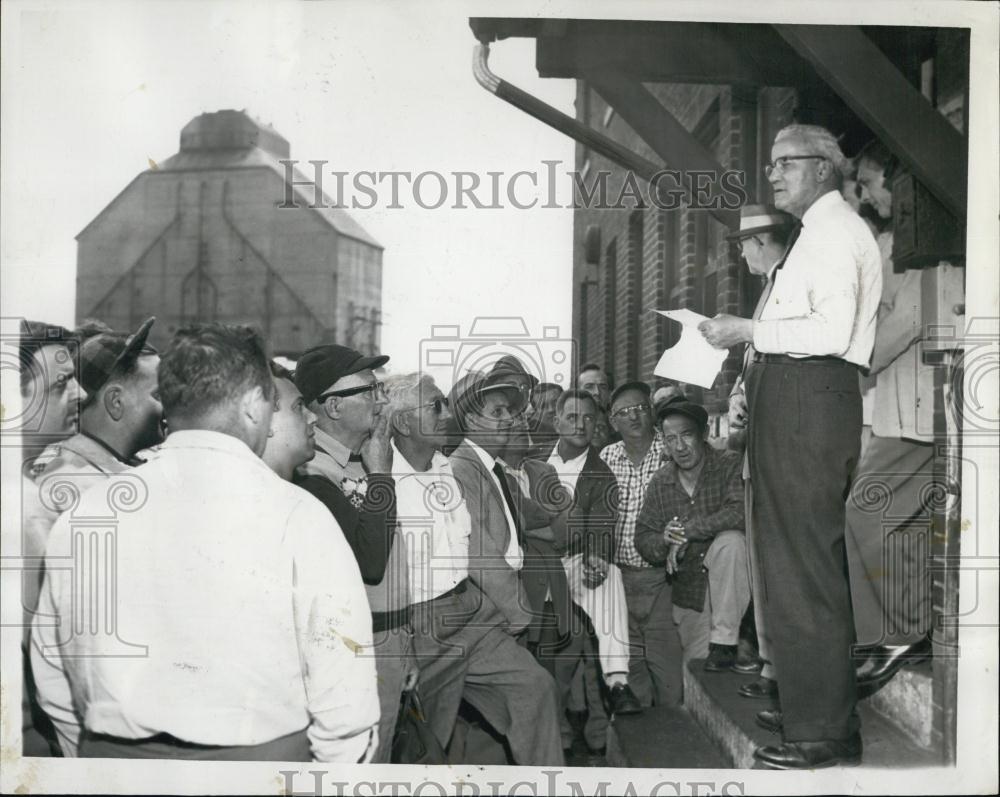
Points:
(659, 257)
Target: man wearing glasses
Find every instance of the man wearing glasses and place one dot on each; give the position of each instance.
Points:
(655, 660)
(352, 475)
(813, 335)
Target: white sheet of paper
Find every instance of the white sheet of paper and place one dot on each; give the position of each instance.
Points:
(693, 359)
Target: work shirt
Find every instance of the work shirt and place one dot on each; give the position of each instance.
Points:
(568, 469)
(513, 554)
(632, 483)
(825, 297)
(435, 525)
(240, 611)
(716, 504)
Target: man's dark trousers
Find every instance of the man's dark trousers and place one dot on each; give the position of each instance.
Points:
(803, 443)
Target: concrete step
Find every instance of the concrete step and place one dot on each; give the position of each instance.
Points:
(661, 738)
(728, 720)
(907, 701)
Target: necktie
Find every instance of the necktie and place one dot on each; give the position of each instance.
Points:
(766, 294)
(505, 489)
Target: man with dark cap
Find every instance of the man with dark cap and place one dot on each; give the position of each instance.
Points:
(692, 521)
(501, 680)
(352, 475)
(122, 413)
(120, 416)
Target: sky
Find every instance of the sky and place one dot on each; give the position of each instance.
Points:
(93, 90)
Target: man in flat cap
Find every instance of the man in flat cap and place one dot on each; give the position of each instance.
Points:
(352, 475)
(120, 416)
(692, 521)
(122, 413)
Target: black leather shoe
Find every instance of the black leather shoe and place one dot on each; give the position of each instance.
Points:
(769, 720)
(884, 661)
(812, 755)
(720, 658)
(761, 689)
(623, 700)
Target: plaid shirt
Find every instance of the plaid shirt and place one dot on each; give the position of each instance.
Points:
(716, 505)
(632, 483)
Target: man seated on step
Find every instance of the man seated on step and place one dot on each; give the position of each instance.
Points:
(595, 583)
(468, 606)
(692, 520)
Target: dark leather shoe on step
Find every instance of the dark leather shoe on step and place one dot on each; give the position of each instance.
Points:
(761, 689)
(623, 700)
(769, 720)
(811, 755)
(884, 661)
(720, 658)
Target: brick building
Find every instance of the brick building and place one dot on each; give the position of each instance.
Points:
(630, 261)
(201, 237)
(699, 96)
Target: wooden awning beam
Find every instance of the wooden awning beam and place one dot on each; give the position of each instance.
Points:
(870, 84)
(663, 132)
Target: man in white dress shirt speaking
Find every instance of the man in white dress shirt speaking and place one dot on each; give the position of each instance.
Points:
(813, 335)
(239, 610)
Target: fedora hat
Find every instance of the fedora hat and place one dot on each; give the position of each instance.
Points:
(760, 218)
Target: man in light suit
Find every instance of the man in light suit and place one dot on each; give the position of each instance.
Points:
(478, 621)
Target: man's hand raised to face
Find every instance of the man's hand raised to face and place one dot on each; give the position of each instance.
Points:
(376, 451)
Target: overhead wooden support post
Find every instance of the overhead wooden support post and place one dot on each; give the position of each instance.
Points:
(871, 85)
(668, 138)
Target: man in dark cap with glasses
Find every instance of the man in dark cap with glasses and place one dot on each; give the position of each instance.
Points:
(351, 474)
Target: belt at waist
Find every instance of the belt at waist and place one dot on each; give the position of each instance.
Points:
(784, 359)
(633, 569)
(386, 621)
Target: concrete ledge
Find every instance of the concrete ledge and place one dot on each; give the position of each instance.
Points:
(908, 701)
(728, 720)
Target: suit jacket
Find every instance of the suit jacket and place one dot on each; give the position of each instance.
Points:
(488, 567)
(543, 518)
(590, 524)
(595, 510)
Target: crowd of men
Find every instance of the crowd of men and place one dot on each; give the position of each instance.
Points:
(296, 553)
